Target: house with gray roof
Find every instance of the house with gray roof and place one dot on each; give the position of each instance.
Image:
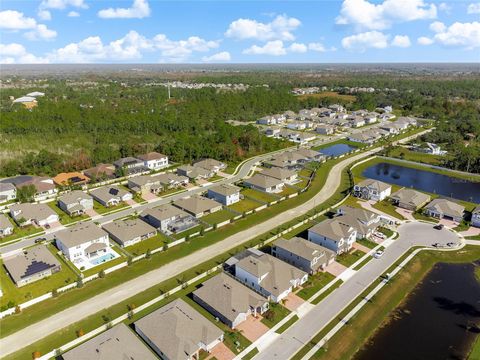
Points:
(169, 218)
(226, 194)
(194, 172)
(365, 222)
(6, 227)
(370, 189)
(445, 209)
(210, 164)
(229, 300)
(284, 175)
(31, 264)
(8, 192)
(334, 234)
(129, 232)
(325, 129)
(117, 343)
(38, 214)
(303, 254)
(154, 160)
(100, 172)
(409, 199)
(198, 206)
(111, 195)
(177, 331)
(264, 183)
(476, 217)
(75, 202)
(157, 183)
(130, 165)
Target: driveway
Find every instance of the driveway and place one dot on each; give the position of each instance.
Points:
(149, 196)
(252, 328)
(292, 302)
(472, 231)
(335, 268)
(407, 214)
(90, 212)
(220, 352)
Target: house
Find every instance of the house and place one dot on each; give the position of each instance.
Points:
(264, 183)
(284, 175)
(177, 331)
(198, 206)
(272, 132)
(303, 254)
(75, 202)
(273, 278)
(341, 116)
(225, 194)
(194, 172)
(157, 183)
(325, 129)
(475, 217)
(130, 165)
(386, 117)
(336, 107)
(168, 218)
(307, 155)
(296, 126)
(111, 195)
(229, 300)
(129, 232)
(267, 120)
(8, 192)
(288, 159)
(101, 172)
(333, 234)
(409, 199)
(31, 264)
(71, 179)
(117, 343)
(370, 189)
(28, 101)
(357, 122)
(44, 186)
(210, 164)
(365, 137)
(6, 227)
(290, 114)
(371, 118)
(365, 222)
(154, 160)
(390, 128)
(82, 241)
(445, 209)
(38, 214)
(361, 112)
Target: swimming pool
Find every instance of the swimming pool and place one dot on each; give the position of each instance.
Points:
(102, 259)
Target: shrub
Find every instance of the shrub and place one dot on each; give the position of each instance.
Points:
(101, 274)
(54, 293)
(36, 354)
(18, 310)
(80, 332)
(148, 254)
(79, 282)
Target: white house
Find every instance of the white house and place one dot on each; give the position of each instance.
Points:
(75, 202)
(39, 214)
(370, 189)
(6, 227)
(8, 192)
(154, 160)
(334, 234)
(476, 217)
(225, 194)
(168, 218)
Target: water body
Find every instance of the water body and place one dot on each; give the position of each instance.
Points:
(447, 186)
(337, 149)
(437, 321)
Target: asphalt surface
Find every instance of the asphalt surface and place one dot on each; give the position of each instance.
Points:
(303, 330)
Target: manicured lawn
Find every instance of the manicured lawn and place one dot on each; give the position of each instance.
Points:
(188, 232)
(258, 195)
(285, 326)
(274, 314)
(350, 258)
(367, 243)
(305, 172)
(405, 154)
(66, 219)
(150, 244)
(100, 209)
(353, 202)
(420, 216)
(301, 184)
(106, 265)
(287, 190)
(245, 205)
(474, 237)
(19, 232)
(171, 191)
(327, 292)
(215, 178)
(463, 226)
(385, 231)
(314, 284)
(251, 354)
(388, 208)
(218, 217)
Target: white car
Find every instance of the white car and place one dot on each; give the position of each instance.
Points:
(379, 235)
(378, 254)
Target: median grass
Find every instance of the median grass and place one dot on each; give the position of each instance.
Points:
(287, 324)
(406, 154)
(100, 209)
(388, 208)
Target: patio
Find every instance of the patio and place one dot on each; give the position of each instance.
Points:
(95, 259)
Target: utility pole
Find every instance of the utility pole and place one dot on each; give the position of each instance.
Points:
(168, 87)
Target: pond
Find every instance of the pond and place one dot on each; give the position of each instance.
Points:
(437, 321)
(425, 181)
(337, 149)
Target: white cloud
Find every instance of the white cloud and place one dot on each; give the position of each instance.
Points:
(401, 41)
(73, 14)
(437, 26)
(473, 8)
(280, 28)
(466, 35)
(423, 40)
(62, 4)
(178, 51)
(298, 48)
(316, 47)
(41, 32)
(218, 57)
(444, 7)
(274, 48)
(44, 15)
(360, 42)
(15, 20)
(364, 14)
(138, 10)
(17, 54)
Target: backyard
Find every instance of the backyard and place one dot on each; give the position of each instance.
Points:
(218, 217)
(245, 205)
(149, 244)
(258, 195)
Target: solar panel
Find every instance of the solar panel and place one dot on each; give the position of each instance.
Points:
(35, 267)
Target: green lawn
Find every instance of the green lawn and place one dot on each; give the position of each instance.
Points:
(149, 244)
(475, 353)
(258, 195)
(19, 232)
(314, 284)
(100, 209)
(106, 265)
(301, 184)
(350, 258)
(245, 205)
(287, 324)
(463, 226)
(171, 191)
(327, 292)
(287, 190)
(353, 202)
(405, 154)
(251, 354)
(215, 178)
(218, 217)
(188, 232)
(65, 219)
(419, 215)
(274, 314)
(388, 208)
(368, 243)
(305, 172)
(385, 231)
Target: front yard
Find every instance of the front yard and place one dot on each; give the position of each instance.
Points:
(100, 209)
(66, 219)
(350, 258)
(314, 284)
(275, 313)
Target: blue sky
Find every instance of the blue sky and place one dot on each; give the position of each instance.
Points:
(152, 31)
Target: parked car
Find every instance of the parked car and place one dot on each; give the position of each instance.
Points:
(378, 254)
(438, 227)
(379, 235)
(39, 240)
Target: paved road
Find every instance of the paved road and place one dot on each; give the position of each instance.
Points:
(302, 331)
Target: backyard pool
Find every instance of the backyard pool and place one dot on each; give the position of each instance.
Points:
(102, 259)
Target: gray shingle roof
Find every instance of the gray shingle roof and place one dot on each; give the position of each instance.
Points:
(225, 189)
(263, 181)
(125, 230)
(74, 197)
(446, 207)
(196, 204)
(304, 248)
(334, 229)
(411, 197)
(79, 234)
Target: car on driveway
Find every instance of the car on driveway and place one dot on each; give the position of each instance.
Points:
(438, 227)
(378, 254)
(379, 235)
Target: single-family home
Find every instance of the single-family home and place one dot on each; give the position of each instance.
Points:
(198, 206)
(304, 137)
(157, 183)
(100, 172)
(390, 128)
(364, 137)
(409, 199)
(284, 175)
(210, 164)
(229, 300)
(194, 172)
(71, 179)
(168, 218)
(303, 254)
(290, 114)
(475, 217)
(38, 214)
(75, 202)
(305, 155)
(370, 189)
(130, 165)
(296, 126)
(44, 186)
(336, 107)
(82, 241)
(341, 116)
(226, 194)
(264, 183)
(273, 278)
(6, 227)
(267, 120)
(365, 222)
(333, 234)
(117, 343)
(288, 159)
(110, 195)
(445, 209)
(325, 129)
(361, 112)
(371, 118)
(129, 232)
(154, 160)
(272, 132)
(8, 192)
(357, 122)
(177, 331)
(386, 117)
(31, 264)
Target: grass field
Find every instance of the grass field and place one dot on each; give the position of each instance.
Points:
(406, 154)
(218, 217)
(65, 219)
(388, 208)
(274, 314)
(367, 243)
(245, 205)
(258, 195)
(149, 244)
(314, 284)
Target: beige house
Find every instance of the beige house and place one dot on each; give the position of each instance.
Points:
(198, 206)
(284, 175)
(6, 227)
(334, 234)
(445, 209)
(264, 183)
(129, 232)
(409, 199)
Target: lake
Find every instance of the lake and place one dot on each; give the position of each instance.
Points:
(424, 180)
(337, 149)
(435, 322)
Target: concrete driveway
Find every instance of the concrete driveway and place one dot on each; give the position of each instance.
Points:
(253, 328)
(220, 352)
(292, 302)
(335, 268)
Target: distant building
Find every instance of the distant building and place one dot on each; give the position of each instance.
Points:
(70, 179)
(264, 183)
(130, 165)
(284, 175)
(325, 129)
(476, 217)
(169, 218)
(101, 172)
(44, 186)
(6, 227)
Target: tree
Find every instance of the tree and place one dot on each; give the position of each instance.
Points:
(26, 193)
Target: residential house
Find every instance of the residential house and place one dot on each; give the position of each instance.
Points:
(31, 264)
(38, 214)
(71, 179)
(445, 209)
(341, 116)
(44, 186)
(111, 195)
(168, 218)
(154, 160)
(290, 114)
(229, 300)
(409, 199)
(6, 227)
(8, 192)
(386, 117)
(288, 159)
(273, 278)
(336, 107)
(325, 129)
(303, 254)
(177, 331)
(225, 194)
(304, 137)
(194, 172)
(117, 343)
(101, 172)
(198, 206)
(272, 132)
(370, 189)
(371, 118)
(264, 183)
(333, 234)
(476, 217)
(155, 184)
(365, 222)
(357, 122)
(284, 175)
(211, 165)
(390, 128)
(130, 165)
(267, 120)
(365, 137)
(75, 202)
(296, 126)
(82, 241)
(307, 155)
(129, 232)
